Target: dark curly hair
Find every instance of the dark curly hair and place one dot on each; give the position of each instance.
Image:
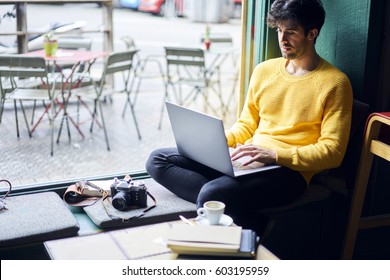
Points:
(309, 14)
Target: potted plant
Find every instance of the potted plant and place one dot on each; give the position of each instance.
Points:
(50, 44)
(207, 41)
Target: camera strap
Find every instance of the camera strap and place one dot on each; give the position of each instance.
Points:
(75, 196)
(105, 197)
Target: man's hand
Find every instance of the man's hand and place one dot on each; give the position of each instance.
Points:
(257, 153)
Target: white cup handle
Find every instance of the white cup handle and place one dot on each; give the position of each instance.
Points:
(201, 212)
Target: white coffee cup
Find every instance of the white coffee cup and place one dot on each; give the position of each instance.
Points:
(212, 211)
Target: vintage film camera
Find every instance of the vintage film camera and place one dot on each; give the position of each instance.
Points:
(128, 194)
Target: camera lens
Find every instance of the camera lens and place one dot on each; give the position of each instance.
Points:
(121, 200)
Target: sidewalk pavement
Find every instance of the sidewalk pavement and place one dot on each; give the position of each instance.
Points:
(27, 161)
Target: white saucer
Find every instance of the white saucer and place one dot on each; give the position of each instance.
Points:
(225, 221)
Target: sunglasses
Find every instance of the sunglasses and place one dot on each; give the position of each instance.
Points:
(2, 199)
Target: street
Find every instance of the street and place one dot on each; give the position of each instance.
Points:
(148, 30)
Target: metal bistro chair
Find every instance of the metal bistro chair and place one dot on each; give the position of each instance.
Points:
(186, 68)
(117, 62)
(225, 40)
(19, 68)
(145, 67)
(7, 87)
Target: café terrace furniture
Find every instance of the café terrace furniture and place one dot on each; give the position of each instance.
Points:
(75, 42)
(7, 85)
(116, 63)
(17, 68)
(68, 79)
(221, 42)
(80, 43)
(145, 67)
(69, 43)
(188, 77)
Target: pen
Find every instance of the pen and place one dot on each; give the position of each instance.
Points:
(186, 220)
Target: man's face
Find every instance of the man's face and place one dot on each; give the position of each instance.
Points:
(293, 42)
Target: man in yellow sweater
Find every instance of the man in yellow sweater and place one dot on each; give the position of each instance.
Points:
(297, 114)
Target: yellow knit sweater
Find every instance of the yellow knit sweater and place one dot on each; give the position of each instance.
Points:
(306, 119)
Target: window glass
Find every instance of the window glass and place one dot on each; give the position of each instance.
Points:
(78, 154)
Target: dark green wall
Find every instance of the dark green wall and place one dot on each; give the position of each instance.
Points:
(376, 58)
(343, 39)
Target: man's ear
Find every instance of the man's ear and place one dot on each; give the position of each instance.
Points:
(312, 34)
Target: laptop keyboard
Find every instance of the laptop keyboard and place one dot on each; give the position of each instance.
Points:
(237, 165)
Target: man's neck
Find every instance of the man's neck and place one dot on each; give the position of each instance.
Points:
(302, 66)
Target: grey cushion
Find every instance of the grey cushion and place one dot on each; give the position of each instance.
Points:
(169, 207)
(35, 217)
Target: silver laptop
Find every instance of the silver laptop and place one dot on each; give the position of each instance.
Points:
(201, 137)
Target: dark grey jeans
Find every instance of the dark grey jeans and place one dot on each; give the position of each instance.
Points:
(197, 183)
